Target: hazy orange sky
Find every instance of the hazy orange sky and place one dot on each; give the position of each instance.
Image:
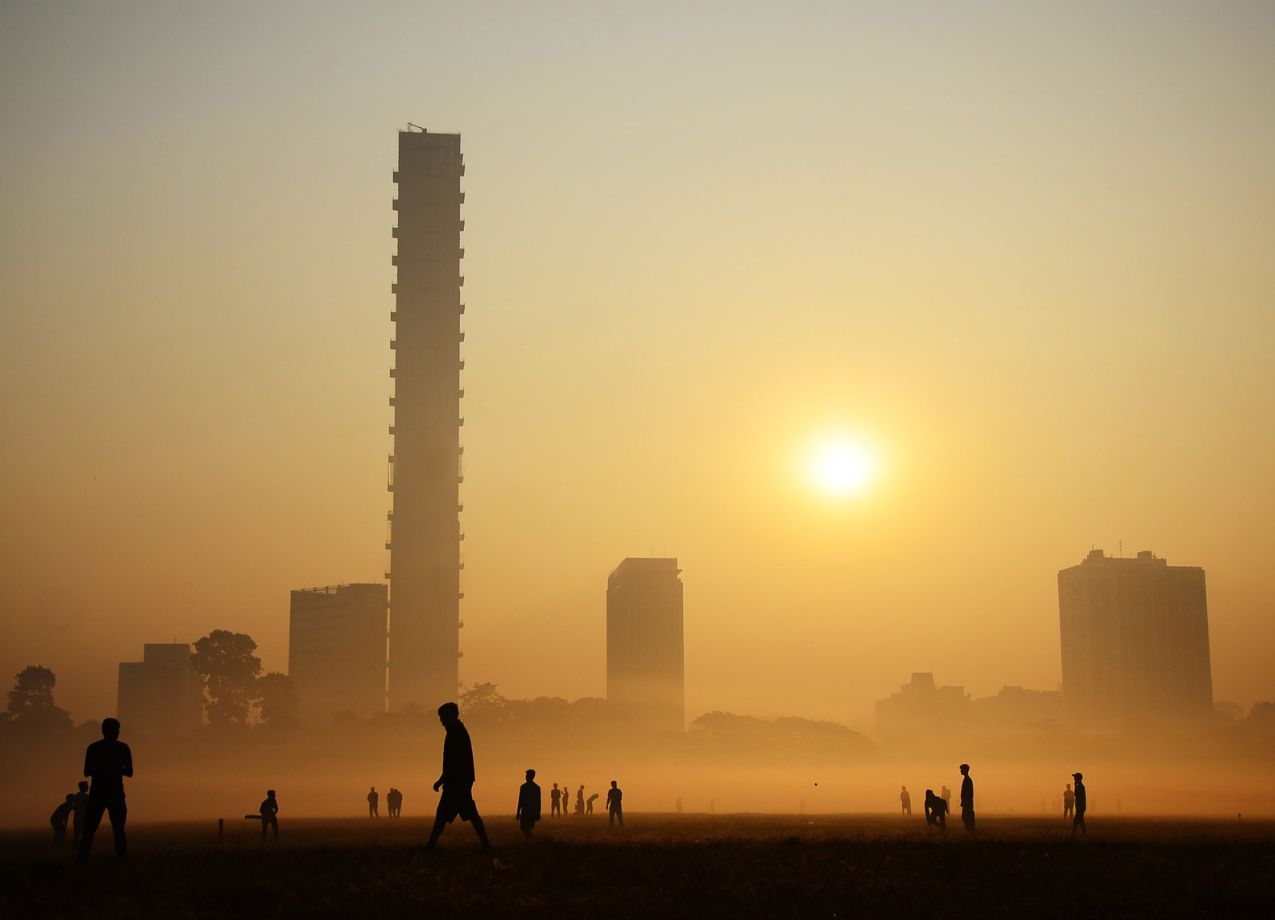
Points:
(1023, 249)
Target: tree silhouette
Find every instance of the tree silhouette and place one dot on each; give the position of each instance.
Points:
(226, 661)
(277, 701)
(31, 700)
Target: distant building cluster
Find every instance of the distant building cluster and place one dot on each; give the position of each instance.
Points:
(920, 708)
(1134, 632)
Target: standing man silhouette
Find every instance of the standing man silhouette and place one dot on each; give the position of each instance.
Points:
(615, 810)
(373, 799)
(1078, 823)
(555, 798)
(457, 779)
(528, 812)
(1069, 802)
(905, 800)
(106, 763)
(580, 801)
(269, 812)
(967, 798)
(81, 809)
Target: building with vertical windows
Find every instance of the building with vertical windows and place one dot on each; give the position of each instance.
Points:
(336, 651)
(162, 695)
(1135, 638)
(425, 473)
(645, 651)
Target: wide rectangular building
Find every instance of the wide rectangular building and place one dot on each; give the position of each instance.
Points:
(425, 475)
(1135, 638)
(336, 651)
(162, 695)
(646, 678)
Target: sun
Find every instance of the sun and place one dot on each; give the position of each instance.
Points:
(842, 468)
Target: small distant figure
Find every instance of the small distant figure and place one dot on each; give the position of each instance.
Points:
(679, 804)
(373, 801)
(580, 802)
(588, 805)
(81, 798)
(946, 795)
(269, 811)
(1078, 822)
(905, 800)
(967, 798)
(107, 763)
(61, 815)
(1069, 802)
(935, 810)
(615, 810)
(555, 800)
(457, 779)
(528, 812)
(394, 802)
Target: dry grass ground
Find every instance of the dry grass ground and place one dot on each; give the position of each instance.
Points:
(662, 866)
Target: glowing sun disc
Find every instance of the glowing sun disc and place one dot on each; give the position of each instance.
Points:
(842, 468)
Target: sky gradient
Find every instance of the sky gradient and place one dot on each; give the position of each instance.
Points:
(1022, 249)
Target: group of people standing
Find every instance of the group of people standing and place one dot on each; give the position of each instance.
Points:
(393, 803)
(937, 806)
(528, 811)
(559, 800)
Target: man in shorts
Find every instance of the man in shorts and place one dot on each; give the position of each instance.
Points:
(457, 779)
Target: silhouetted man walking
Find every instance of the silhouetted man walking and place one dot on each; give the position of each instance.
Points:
(528, 812)
(457, 779)
(106, 763)
(1078, 822)
(967, 797)
(615, 810)
(905, 800)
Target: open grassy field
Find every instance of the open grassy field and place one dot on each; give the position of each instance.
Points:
(660, 866)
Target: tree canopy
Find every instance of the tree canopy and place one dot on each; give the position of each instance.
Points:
(229, 668)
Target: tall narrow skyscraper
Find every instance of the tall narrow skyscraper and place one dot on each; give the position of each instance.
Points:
(425, 473)
(1135, 638)
(645, 651)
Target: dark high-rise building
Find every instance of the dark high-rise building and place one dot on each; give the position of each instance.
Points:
(336, 651)
(425, 472)
(645, 654)
(162, 695)
(1135, 637)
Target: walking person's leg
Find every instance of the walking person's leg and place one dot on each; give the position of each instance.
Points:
(119, 816)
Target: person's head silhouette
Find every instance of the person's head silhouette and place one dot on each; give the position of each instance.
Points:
(613, 784)
(965, 769)
(111, 729)
(1079, 777)
(70, 796)
(449, 714)
(531, 774)
(270, 793)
